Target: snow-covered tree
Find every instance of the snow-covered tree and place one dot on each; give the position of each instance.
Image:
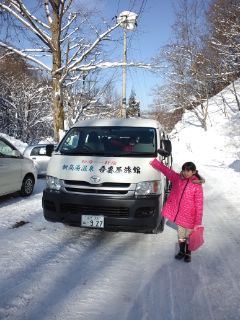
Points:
(187, 70)
(224, 21)
(88, 100)
(64, 42)
(24, 101)
(133, 109)
(55, 29)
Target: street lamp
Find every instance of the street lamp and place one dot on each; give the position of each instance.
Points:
(128, 21)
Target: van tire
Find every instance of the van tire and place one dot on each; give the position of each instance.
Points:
(27, 185)
(160, 227)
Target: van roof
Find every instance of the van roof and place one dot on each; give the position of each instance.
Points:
(118, 122)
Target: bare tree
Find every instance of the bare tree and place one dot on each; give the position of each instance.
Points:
(186, 75)
(55, 30)
(58, 29)
(224, 20)
(24, 100)
(89, 99)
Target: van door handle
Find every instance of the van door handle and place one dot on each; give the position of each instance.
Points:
(34, 158)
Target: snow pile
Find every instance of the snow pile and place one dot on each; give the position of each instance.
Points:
(220, 144)
(216, 152)
(21, 146)
(48, 140)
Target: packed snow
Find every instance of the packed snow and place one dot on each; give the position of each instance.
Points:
(51, 271)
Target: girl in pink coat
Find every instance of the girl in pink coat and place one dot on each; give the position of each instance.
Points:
(184, 205)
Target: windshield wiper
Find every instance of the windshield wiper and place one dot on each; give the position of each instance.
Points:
(82, 153)
(135, 154)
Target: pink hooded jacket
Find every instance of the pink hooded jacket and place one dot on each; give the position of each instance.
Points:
(184, 205)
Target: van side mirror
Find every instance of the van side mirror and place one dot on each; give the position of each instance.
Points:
(165, 148)
(49, 149)
(163, 153)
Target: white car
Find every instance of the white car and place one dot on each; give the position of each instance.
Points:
(38, 154)
(17, 173)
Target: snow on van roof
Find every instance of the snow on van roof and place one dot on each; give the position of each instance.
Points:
(118, 122)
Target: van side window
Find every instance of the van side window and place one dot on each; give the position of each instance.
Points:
(42, 151)
(72, 140)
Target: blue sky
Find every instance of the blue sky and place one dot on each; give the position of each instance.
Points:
(153, 31)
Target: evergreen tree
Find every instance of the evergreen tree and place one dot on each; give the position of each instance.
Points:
(133, 109)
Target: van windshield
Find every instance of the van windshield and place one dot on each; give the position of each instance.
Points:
(110, 141)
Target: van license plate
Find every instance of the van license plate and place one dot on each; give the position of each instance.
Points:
(92, 221)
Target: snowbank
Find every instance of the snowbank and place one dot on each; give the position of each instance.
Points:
(17, 143)
(220, 144)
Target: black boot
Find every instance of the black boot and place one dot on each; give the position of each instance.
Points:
(181, 253)
(187, 257)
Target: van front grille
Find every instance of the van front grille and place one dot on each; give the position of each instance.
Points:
(96, 191)
(105, 211)
(104, 184)
(105, 188)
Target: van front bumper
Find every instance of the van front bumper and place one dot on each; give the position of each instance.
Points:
(136, 214)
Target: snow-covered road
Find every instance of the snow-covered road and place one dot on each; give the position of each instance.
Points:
(51, 271)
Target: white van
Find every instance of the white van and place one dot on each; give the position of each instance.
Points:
(100, 177)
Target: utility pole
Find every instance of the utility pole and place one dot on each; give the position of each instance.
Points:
(124, 76)
(128, 21)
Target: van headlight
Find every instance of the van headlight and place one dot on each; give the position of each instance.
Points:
(148, 188)
(53, 183)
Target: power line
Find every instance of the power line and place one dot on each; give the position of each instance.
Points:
(141, 10)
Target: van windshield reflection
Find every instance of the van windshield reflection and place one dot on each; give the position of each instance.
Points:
(110, 141)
